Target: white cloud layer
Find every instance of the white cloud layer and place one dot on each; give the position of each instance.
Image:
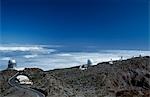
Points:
(20, 48)
(30, 56)
(47, 60)
(5, 58)
(30, 48)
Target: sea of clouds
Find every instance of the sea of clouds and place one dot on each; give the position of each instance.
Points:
(51, 57)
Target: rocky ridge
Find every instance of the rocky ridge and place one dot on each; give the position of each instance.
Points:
(123, 78)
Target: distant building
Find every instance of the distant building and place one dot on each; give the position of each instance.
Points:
(111, 62)
(22, 79)
(121, 58)
(89, 62)
(85, 66)
(12, 64)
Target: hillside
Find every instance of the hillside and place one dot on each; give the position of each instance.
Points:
(126, 78)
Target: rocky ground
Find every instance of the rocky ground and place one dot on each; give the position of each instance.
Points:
(7, 91)
(126, 78)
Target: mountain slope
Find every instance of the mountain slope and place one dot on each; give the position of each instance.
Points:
(124, 78)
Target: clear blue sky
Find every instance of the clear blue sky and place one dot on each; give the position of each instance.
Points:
(109, 24)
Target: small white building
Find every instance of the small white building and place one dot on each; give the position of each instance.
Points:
(85, 66)
(111, 62)
(24, 80)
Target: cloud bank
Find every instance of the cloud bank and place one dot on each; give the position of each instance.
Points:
(20, 48)
(31, 48)
(48, 58)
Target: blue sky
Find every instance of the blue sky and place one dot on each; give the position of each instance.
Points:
(107, 24)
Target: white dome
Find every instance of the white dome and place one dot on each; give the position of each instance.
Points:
(22, 78)
(13, 61)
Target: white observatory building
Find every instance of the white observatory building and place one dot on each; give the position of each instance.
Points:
(12, 64)
(22, 79)
(85, 66)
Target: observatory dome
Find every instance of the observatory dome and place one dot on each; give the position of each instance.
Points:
(12, 61)
(12, 64)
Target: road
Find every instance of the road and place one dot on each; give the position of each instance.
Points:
(12, 82)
